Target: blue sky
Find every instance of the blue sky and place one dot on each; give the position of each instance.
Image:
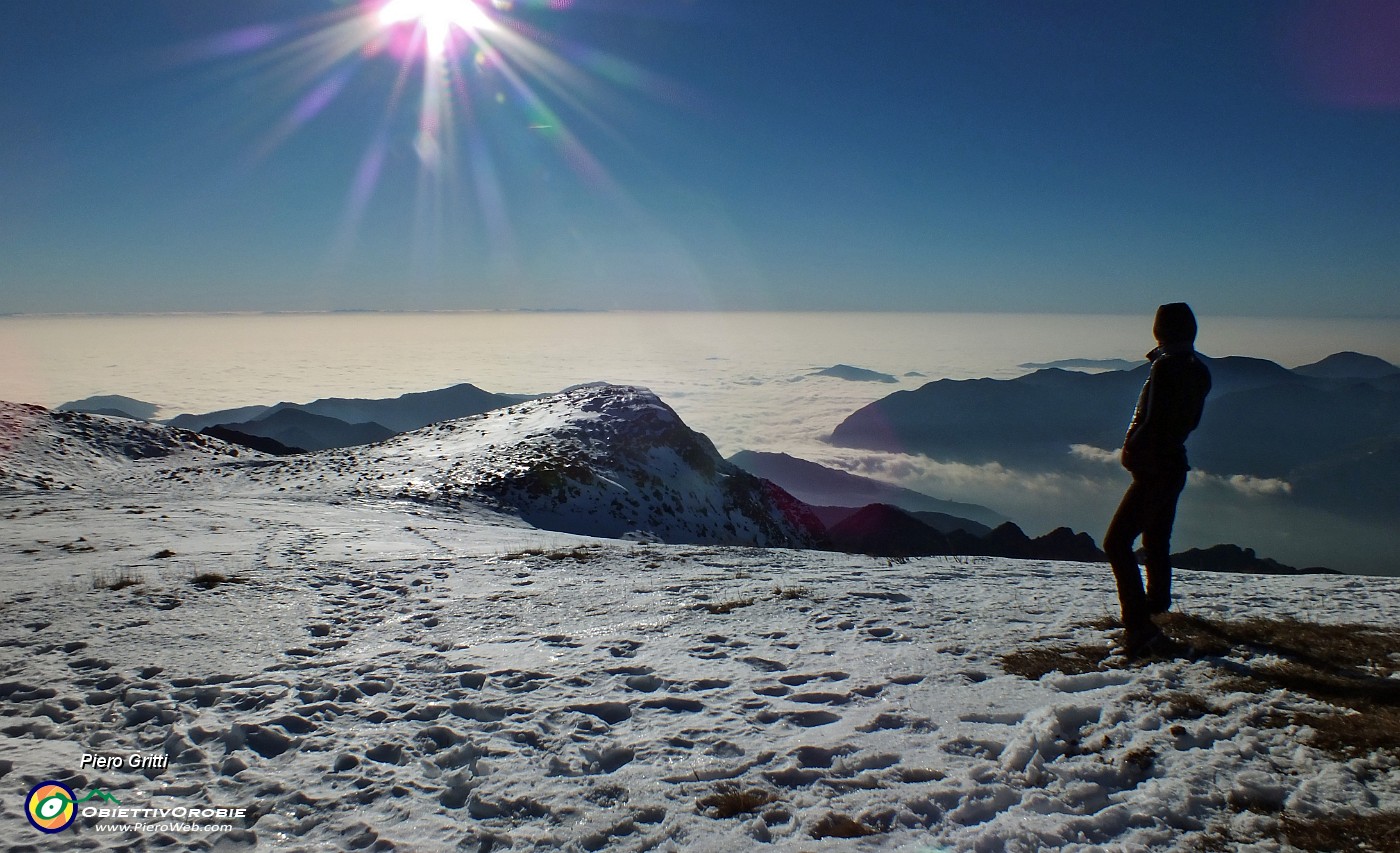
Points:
(190, 155)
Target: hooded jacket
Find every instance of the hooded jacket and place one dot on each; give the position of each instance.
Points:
(1172, 399)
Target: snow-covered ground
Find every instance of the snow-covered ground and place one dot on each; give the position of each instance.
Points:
(377, 673)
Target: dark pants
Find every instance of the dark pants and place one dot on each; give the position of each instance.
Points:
(1148, 509)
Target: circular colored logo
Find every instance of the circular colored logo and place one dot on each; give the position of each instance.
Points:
(49, 806)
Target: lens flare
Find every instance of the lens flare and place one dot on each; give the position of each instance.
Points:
(437, 19)
(482, 102)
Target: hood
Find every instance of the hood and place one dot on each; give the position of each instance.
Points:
(1175, 324)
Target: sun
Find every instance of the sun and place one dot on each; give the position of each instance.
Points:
(488, 76)
(436, 20)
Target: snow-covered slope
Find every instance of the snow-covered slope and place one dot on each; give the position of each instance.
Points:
(381, 675)
(42, 449)
(360, 671)
(603, 460)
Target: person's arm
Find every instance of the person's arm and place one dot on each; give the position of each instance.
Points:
(1135, 441)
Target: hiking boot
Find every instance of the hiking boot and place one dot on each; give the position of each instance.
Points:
(1146, 642)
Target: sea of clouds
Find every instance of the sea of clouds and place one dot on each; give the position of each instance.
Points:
(742, 379)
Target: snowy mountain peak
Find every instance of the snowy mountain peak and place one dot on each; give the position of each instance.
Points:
(598, 459)
(42, 449)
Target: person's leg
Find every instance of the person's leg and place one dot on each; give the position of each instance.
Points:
(1159, 513)
(1123, 530)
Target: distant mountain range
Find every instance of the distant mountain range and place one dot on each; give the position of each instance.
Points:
(854, 374)
(114, 405)
(1083, 364)
(295, 428)
(259, 443)
(602, 460)
(1232, 558)
(1348, 365)
(318, 425)
(1341, 365)
(1330, 429)
(399, 414)
(345, 422)
(866, 516)
(825, 487)
(882, 530)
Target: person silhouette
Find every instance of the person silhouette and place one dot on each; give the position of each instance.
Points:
(1154, 452)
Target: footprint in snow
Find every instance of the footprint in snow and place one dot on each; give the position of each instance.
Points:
(889, 722)
(561, 640)
(624, 648)
(764, 664)
(799, 679)
(804, 719)
(818, 698)
(643, 683)
(611, 713)
(675, 703)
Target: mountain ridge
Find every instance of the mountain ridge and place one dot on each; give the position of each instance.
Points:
(822, 485)
(406, 412)
(599, 459)
(1261, 419)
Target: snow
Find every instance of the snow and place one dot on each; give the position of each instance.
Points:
(432, 674)
(44, 450)
(597, 459)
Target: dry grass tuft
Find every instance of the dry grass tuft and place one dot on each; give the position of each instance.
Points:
(523, 554)
(730, 799)
(1186, 706)
(1350, 667)
(788, 593)
(1363, 648)
(1378, 832)
(1037, 661)
(209, 580)
(578, 553)
(1140, 757)
(1347, 666)
(718, 608)
(121, 580)
(1104, 623)
(1350, 735)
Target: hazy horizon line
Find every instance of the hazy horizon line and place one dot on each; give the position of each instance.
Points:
(1147, 312)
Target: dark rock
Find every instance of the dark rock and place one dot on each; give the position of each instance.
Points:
(882, 530)
(1065, 544)
(1233, 558)
(252, 442)
(1008, 540)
